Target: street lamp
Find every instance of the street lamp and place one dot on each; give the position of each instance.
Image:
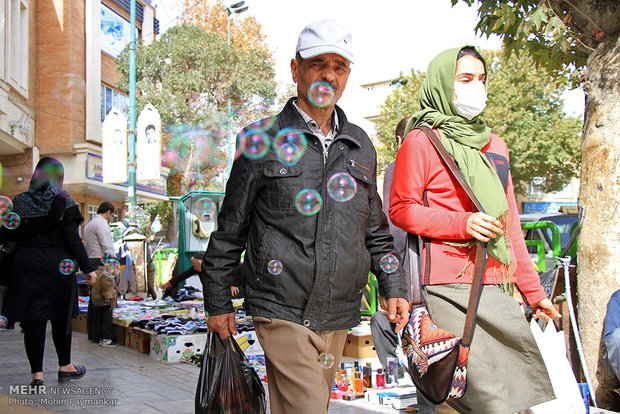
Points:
(398, 82)
(233, 8)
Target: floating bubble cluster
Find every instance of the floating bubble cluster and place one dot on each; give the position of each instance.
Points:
(11, 221)
(341, 187)
(289, 144)
(274, 267)
(308, 202)
(195, 150)
(6, 206)
(66, 267)
(321, 94)
(389, 263)
(3, 322)
(112, 268)
(69, 89)
(326, 360)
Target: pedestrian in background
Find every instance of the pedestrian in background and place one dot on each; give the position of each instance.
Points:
(505, 370)
(43, 283)
(100, 247)
(306, 263)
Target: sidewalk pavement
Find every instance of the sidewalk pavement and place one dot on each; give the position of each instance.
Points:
(119, 380)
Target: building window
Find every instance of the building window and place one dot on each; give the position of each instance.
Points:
(17, 43)
(111, 98)
(92, 212)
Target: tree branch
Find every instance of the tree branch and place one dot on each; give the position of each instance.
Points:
(583, 14)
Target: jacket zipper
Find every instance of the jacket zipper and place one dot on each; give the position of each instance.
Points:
(355, 164)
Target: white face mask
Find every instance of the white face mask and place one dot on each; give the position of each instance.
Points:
(471, 98)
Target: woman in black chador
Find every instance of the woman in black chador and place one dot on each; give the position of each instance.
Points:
(43, 285)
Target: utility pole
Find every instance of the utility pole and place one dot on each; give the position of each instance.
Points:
(132, 108)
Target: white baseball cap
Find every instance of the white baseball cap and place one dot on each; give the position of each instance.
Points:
(325, 36)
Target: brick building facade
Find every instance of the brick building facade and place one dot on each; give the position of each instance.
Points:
(57, 81)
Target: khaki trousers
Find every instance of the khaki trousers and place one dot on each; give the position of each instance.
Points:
(297, 382)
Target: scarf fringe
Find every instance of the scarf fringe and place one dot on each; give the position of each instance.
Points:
(502, 275)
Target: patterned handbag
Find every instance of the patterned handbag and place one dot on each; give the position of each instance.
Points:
(437, 358)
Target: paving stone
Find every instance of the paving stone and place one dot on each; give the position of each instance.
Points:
(139, 384)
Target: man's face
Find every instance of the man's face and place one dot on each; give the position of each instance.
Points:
(108, 215)
(330, 68)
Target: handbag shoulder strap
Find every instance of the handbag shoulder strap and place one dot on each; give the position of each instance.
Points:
(480, 260)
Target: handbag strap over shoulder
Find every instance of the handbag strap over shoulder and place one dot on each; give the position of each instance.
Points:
(415, 249)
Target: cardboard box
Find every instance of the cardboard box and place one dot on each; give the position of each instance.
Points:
(172, 348)
(78, 324)
(359, 346)
(138, 339)
(119, 332)
(248, 342)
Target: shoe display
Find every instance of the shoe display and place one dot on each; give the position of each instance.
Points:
(107, 343)
(66, 376)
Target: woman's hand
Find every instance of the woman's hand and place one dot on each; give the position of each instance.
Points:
(92, 277)
(165, 285)
(234, 290)
(483, 227)
(545, 309)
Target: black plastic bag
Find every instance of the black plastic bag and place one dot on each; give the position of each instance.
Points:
(226, 383)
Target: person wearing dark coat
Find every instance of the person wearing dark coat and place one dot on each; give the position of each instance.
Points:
(43, 283)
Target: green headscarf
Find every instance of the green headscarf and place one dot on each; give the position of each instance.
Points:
(464, 140)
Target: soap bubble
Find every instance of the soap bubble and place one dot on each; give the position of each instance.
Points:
(6, 206)
(321, 94)
(3, 322)
(343, 385)
(11, 221)
(274, 267)
(66, 266)
(255, 144)
(289, 144)
(204, 208)
(69, 89)
(341, 187)
(308, 202)
(193, 144)
(326, 360)
(263, 124)
(112, 268)
(107, 256)
(389, 263)
(247, 362)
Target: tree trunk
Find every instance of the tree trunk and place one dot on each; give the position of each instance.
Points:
(599, 242)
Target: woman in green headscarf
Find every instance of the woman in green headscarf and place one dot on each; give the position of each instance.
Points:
(505, 371)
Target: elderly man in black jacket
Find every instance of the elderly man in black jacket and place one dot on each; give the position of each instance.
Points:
(302, 201)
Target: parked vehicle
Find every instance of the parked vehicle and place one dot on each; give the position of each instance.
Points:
(546, 235)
